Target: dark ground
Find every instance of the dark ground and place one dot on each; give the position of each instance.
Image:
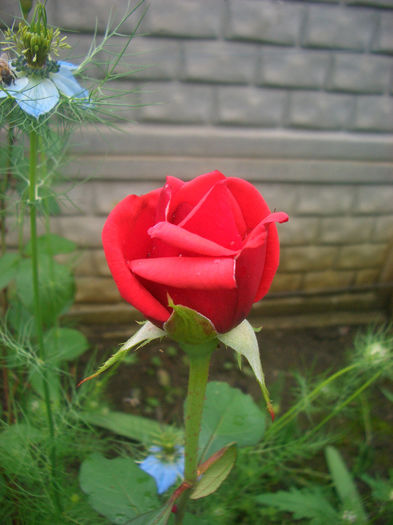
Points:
(154, 383)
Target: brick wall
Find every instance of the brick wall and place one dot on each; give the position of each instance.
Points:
(295, 96)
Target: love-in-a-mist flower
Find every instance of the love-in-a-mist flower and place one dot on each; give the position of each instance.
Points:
(165, 465)
(34, 80)
(37, 96)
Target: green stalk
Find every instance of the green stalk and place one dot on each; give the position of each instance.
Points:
(38, 310)
(199, 356)
(8, 395)
(342, 405)
(293, 412)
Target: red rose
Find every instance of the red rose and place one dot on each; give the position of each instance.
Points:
(210, 244)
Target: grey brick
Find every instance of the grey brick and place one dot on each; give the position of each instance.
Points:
(360, 256)
(384, 229)
(107, 194)
(364, 73)
(9, 10)
(250, 106)
(339, 27)
(325, 199)
(96, 290)
(299, 230)
(320, 110)
(83, 264)
(80, 45)
(374, 113)
(384, 40)
(265, 20)
(327, 280)
(120, 100)
(220, 61)
(176, 103)
(148, 58)
(346, 230)
(99, 265)
(375, 199)
(179, 18)
(293, 68)
(371, 3)
(307, 258)
(366, 277)
(75, 14)
(279, 197)
(84, 231)
(286, 282)
(75, 199)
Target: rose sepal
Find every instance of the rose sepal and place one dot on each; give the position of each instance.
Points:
(147, 332)
(190, 329)
(243, 340)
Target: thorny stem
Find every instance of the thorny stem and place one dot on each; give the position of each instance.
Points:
(38, 310)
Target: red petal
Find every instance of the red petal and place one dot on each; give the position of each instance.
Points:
(259, 233)
(170, 189)
(124, 237)
(213, 218)
(187, 241)
(251, 202)
(190, 194)
(198, 273)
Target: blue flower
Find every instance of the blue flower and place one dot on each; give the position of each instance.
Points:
(165, 470)
(37, 96)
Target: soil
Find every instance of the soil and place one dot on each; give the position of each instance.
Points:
(154, 384)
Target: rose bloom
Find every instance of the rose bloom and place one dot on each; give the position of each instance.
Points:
(209, 244)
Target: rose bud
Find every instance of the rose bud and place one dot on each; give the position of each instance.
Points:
(209, 244)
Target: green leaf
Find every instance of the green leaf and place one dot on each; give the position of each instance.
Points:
(20, 318)
(344, 484)
(56, 285)
(64, 344)
(148, 332)
(215, 474)
(229, 416)
(304, 504)
(52, 244)
(133, 427)
(117, 488)
(154, 517)
(8, 268)
(243, 340)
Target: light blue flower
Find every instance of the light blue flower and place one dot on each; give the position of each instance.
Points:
(37, 96)
(165, 471)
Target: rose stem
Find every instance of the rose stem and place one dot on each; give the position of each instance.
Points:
(38, 310)
(199, 361)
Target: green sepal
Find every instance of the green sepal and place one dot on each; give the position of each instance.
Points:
(188, 326)
(243, 340)
(148, 332)
(214, 471)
